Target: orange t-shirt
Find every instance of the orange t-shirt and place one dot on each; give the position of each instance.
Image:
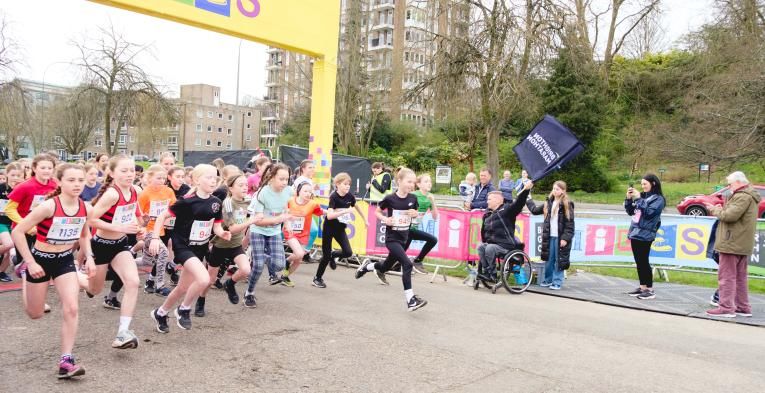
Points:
(301, 228)
(153, 201)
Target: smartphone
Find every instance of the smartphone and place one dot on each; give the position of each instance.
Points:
(632, 185)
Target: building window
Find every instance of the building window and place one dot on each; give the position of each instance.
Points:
(220, 115)
(197, 142)
(249, 114)
(209, 128)
(209, 114)
(200, 113)
(61, 153)
(228, 146)
(132, 139)
(228, 131)
(172, 140)
(209, 143)
(230, 117)
(220, 144)
(57, 139)
(248, 126)
(249, 138)
(199, 128)
(98, 143)
(220, 130)
(122, 139)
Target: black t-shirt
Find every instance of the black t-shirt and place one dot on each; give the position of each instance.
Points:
(194, 219)
(221, 193)
(181, 191)
(5, 190)
(338, 202)
(397, 207)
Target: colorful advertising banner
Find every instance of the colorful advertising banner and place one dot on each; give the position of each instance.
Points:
(681, 241)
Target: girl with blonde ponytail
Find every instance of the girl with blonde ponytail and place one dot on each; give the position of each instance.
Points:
(557, 233)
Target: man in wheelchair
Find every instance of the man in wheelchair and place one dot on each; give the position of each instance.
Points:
(498, 230)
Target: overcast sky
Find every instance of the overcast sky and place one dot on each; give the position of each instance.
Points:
(181, 54)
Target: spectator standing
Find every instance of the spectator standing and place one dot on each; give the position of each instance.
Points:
(735, 242)
(645, 209)
(557, 233)
(381, 184)
(521, 182)
(482, 191)
(506, 185)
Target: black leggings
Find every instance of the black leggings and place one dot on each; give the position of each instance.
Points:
(327, 234)
(641, 250)
(397, 253)
(116, 281)
(416, 234)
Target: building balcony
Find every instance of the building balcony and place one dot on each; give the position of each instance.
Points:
(272, 83)
(383, 25)
(273, 66)
(377, 44)
(272, 49)
(268, 136)
(383, 5)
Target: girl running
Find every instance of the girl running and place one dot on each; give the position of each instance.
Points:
(176, 183)
(175, 176)
(167, 160)
(91, 183)
(235, 221)
(341, 204)
(155, 199)
(60, 222)
(227, 173)
(296, 231)
(269, 210)
(114, 217)
(14, 174)
(253, 181)
(425, 202)
(401, 207)
(27, 195)
(197, 218)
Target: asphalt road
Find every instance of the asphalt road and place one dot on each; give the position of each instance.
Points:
(355, 336)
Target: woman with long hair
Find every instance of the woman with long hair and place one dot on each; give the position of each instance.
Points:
(645, 208)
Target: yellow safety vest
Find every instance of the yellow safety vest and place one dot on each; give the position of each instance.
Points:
(374, 194)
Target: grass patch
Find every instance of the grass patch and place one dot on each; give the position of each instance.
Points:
(674, 193)
(686, 278)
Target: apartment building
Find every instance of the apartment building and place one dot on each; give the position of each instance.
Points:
(209, 124)
(400, 45)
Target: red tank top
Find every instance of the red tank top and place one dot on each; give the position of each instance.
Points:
(62, 228)
(124, 210)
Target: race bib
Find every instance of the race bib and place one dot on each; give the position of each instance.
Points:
(345, 218)
(124, 214)
(200, 232)
(3, 204)
(36, 201)
(170, 223)
(158, 207)
(65, 230)
(636, 216)
(401, 220)
(297, 225)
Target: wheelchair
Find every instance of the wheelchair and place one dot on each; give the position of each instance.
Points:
(514, 272)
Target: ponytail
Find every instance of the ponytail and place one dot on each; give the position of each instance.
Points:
(107, 183)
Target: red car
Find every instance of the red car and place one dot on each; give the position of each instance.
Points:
(694, 205)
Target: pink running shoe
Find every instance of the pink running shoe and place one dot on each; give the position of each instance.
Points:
(20, 270)
(67, 369)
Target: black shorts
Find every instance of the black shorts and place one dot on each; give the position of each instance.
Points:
(166, 237)
(31, 239)
(183, 253)
(104, 250)
(132, 239)
(219, 256)
(53, 263)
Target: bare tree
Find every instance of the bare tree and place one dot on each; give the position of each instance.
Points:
(14, 117)
(648, 37)
(620, 27)
(9, 50)
(76, 118)
(152, 120)
(110, 63)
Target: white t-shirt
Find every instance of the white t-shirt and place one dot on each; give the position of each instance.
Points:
(554, 219)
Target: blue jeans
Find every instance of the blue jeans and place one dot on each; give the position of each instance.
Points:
(552, 273)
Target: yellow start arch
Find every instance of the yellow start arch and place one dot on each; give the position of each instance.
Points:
(310, 27)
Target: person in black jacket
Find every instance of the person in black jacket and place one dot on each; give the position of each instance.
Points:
(498, 229)
(557, 233)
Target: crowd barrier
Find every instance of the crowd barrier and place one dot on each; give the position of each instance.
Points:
(599, 237)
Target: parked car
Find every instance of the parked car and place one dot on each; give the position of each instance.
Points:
(140, 157)
(693, 205)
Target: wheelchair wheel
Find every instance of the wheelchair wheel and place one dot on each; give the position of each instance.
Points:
(516, 272)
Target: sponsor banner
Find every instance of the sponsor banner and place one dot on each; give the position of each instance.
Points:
(679, 241)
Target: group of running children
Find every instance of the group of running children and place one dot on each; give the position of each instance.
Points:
(78, 243)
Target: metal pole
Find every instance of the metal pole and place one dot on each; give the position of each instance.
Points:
(238, 65)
